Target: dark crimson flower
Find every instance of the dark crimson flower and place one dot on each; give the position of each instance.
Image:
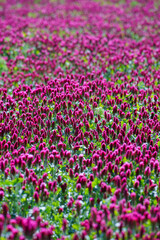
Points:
(5, 209)
(36, 212)
(64, 224)
(109, 234)
(64, 187)
(1, 228)
(78, 187)
(1, 195)
(75, 237)
(136, 184)
(29, 227)
(36, 196)
(91, 201)
(78, 206)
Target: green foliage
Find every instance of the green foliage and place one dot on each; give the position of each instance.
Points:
(3, 65)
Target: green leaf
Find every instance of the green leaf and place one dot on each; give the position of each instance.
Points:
(32, 15)
(141, 85)
(75, 226)
(3, 65)
(95, 182)
(134, 3)
(140, 125)
(8, 182)
(7, 39)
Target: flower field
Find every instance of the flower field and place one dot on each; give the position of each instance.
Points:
(80, 120)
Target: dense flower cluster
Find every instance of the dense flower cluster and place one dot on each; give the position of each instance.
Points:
(80, 120)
